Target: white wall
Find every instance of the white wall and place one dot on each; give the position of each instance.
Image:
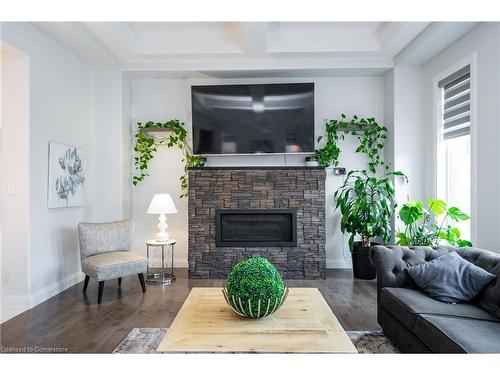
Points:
(389, 153)
(164, 99)
(61, 109)
(160, 100)
(404, 116)
(389, 116)
(71, 103)
(110, 151)
(484, 42)
(126, 155)
(409, 132)
(14, 182)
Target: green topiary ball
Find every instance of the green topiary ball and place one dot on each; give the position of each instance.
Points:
(254, 279)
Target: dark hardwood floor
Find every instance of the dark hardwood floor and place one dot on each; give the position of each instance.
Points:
(74, 323)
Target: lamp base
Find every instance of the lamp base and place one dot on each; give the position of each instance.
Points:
(162, 237)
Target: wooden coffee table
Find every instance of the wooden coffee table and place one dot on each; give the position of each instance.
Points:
(304, 324)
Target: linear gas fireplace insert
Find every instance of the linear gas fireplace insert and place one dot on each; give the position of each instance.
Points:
(256, 227)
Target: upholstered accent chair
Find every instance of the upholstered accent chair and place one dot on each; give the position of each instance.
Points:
(105, 253)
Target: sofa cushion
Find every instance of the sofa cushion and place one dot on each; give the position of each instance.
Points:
(406, 304)
(445, 334)
(450, 278)
(391, 262)
(114, 265)
(489, 299)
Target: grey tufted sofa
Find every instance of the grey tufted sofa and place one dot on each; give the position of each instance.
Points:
(417, 323)
(105, 253)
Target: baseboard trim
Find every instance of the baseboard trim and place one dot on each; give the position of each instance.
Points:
(338, 263)
(12, 305)
(51, 290)
(181, 263)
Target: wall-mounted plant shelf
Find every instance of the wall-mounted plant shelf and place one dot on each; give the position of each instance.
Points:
(157, 132)
(371, 137)
(356, 128)
(152, 135)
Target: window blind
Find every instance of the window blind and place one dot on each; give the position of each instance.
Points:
(456, 103)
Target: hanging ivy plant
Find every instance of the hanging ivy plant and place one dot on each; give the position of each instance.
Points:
(371, 137)
(146, 146)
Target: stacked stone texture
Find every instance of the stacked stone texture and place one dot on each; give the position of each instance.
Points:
(301, 188)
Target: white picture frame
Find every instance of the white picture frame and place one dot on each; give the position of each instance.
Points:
(67, 176)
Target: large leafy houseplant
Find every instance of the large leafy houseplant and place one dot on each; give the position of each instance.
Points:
(371, 137)
(427, 226)
(147, 145)
(367, 205)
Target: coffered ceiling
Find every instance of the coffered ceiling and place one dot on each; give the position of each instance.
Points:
(240, 49)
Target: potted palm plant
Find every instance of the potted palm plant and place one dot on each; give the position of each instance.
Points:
(367, 205)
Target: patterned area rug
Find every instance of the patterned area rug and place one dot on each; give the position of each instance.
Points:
(146, 340)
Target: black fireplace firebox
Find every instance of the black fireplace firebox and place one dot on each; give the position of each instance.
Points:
(256, 227)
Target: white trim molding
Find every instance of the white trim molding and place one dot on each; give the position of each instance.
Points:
(55, 288)
(12, 305)
(338, 263)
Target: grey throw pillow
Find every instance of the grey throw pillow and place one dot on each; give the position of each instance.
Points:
(450, 278)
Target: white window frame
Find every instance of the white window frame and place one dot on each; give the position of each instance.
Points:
(437, 122)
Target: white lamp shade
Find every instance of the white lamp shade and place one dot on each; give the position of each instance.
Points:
(162, 204)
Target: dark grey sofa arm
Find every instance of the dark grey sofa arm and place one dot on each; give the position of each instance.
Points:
(388, 262)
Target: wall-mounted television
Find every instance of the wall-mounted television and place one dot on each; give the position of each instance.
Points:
(253, 119)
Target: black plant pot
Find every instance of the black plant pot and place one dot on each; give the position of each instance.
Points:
(361, 265)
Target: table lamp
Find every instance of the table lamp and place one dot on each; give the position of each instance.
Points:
(162, 204)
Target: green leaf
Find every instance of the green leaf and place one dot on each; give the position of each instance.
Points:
(455, 231)
(351, 242)
(436, 206)
(415, 203)
(464, 243)
(402, 239)
(411, 212)
(442, 235)
(457, 215)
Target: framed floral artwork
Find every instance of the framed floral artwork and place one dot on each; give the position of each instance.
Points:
(67, 168)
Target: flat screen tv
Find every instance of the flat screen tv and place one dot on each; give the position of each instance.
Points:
(251, 119)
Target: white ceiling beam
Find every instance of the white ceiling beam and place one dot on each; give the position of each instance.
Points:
(117, 36)
(264, 63)
(272, 74)
(255, 36)
(323, 38)
(395, 36)
(434, 39)
(73, 36)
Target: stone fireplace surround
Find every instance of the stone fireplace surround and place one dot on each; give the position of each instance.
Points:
(213, 188)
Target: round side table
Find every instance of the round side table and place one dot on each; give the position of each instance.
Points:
(161, 276)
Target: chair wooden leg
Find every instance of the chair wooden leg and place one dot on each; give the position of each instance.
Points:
(101, 289)
(143, 283)
(119, 281)
(86, 283)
